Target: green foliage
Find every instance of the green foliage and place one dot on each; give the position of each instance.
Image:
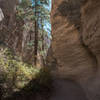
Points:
(14, 74)
(42, 82)
(31, 14)
(25, 12)
(25, 3)
(44, 77)
(46, 2)
(41, 85)
(30, 44)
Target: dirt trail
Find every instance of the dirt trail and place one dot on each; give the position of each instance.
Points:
(67, 90)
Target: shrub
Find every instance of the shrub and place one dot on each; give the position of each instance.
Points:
(14, 74)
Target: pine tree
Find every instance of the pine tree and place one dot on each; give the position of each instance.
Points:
(36, 33)
(42, 14)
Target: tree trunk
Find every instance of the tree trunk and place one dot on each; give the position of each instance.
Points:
(36, 37)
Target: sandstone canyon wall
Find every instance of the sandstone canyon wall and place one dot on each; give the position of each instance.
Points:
(76, 43)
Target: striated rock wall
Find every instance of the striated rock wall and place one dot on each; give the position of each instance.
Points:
(91, 39)
(76, 43)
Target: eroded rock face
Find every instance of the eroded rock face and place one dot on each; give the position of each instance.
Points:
(91, 38)
(72, 56)
(76, 45)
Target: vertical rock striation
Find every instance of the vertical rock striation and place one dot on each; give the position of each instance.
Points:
(76, 42)
(91, 38)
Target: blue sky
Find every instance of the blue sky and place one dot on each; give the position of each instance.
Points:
(47, 26)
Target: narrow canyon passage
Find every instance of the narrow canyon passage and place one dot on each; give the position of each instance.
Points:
(50, 50)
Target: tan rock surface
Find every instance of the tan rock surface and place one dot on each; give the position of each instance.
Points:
(76, 43)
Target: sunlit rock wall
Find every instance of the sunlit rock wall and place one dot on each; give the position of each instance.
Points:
(76, 43)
